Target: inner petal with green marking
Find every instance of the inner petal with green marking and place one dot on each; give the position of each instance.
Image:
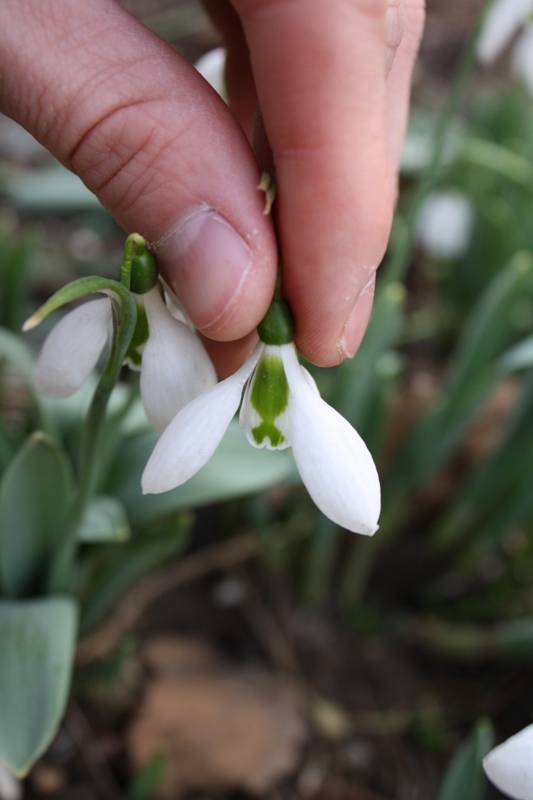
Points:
(268, 400)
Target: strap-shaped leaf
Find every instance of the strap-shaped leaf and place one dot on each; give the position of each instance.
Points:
(105, 521)
(476, 370)
(35, 496)
(120, 566)
(38, 638)
(464, 777)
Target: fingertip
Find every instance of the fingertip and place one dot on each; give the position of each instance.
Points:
(223, 279)
(356, 324)
(344, 342)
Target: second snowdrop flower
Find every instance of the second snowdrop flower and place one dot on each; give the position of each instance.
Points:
(174, 365)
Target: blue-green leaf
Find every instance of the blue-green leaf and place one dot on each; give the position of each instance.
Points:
(38, 638)
(104, 521)
(35, 496)
(118, 567)
(464, 779)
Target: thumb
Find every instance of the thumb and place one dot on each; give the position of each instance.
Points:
(151, 139)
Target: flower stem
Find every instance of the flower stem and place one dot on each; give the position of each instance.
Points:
(124, 327)
(97, 411)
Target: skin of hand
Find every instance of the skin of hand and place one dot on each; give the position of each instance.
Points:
(168, 158)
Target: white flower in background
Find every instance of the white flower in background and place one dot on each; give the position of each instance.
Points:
(174, 365)
(510, 765)
(444, 224)
(506, 18)
(211, 66)
(522, 59)
(281, 408)
(10, 787)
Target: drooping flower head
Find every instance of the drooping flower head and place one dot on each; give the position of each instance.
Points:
(171, 358)
(281, 407)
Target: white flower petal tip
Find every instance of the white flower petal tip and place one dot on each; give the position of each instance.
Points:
(334, 463)
(72, 349)
(10, 787)
(510, 765)
(175, 366)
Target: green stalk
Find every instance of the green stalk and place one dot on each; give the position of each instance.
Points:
(96, 416)
(61, 575)
(498, 159)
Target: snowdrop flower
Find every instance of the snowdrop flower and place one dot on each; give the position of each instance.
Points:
(504, 19)
(444, 224)
(510, 765)
(174, 365)
(281, 407)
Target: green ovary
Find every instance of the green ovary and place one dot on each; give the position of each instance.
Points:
(269, 397)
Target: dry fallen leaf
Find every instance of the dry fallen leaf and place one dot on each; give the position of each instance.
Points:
(220, 729)
(173, 656)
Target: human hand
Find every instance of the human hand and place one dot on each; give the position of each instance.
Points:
(168, 159)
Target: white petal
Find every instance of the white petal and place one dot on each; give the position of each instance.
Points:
(175, 366)
(310, 380)
(444, 224)
(10, 787)
(522, 62)
(334, 462)
(195, 432)
(212, 66)
(71, 350)
(510, 765)
(173, 304)
(503, 20)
